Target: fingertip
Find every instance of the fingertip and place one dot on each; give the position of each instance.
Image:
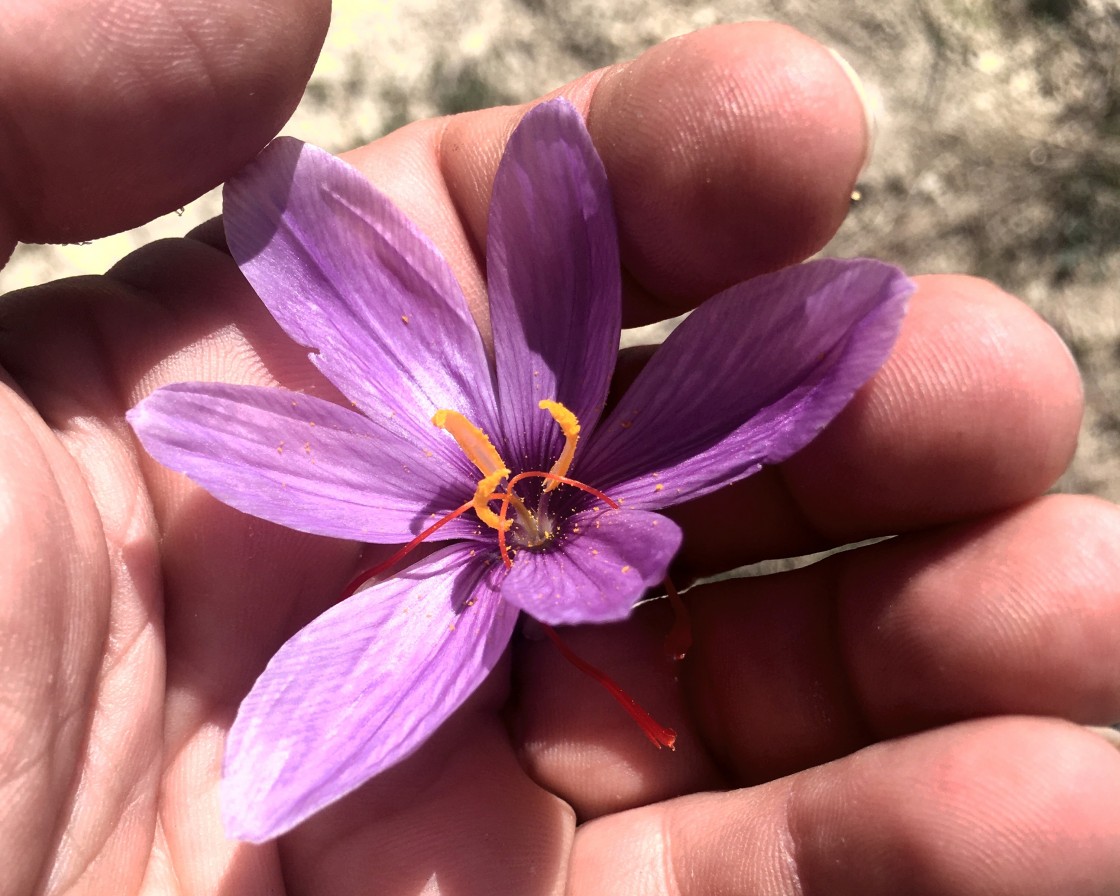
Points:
(731, 151)
(978, 408)
(1014, 613)
(116, 112)
(1013, 805)
(1016, 805)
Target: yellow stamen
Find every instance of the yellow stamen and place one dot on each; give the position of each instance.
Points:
(484, 494)
(480, 451)
(476, 445)
(569, 425)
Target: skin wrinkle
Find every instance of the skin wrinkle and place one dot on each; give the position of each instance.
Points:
(475, 241)
(844, 646)
(76, 860)
(65, 650)
(70, 863)
(56, 853)
(802, 518)
(197, 872)
(793, 807)
(689, 713)
(159, 865)
(120, 659)
(668, 865)
(788, 847)
(709, 738)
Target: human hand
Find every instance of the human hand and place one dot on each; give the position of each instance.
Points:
(143, 609)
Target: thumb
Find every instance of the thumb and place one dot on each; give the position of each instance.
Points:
(117, 111)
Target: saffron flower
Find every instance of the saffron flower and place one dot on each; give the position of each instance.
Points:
(498, 453)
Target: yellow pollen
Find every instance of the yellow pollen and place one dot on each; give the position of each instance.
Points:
(569, 425)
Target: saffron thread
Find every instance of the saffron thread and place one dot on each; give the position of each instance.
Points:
(659, 735)
(399, 555)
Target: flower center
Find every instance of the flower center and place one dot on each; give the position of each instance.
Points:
(530, 529)
(533, 530)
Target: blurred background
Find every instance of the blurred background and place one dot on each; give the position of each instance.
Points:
(997, 153)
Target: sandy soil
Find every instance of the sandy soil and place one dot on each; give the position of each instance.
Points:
(998, 148)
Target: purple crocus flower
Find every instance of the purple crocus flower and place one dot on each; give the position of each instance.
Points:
(747, 380)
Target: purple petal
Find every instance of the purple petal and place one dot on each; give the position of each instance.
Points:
(750, 378)
(554, 278)
(596, 570)
(345, 272)
(361, 688)
(301, 462)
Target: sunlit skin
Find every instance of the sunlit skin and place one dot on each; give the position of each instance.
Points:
(892, 721)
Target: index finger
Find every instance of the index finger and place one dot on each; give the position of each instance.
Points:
(730, 152)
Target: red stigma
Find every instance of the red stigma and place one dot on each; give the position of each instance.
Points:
(378, 568)
(659, 735)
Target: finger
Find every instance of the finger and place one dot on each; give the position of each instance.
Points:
(1012, 806)
(576, 741)
(730, 152)
(54, 620)
(1020, 613)
(977, 409)
(1017, 614)
(116, 112)
(458, 816)
(759, 134)
(212, 590)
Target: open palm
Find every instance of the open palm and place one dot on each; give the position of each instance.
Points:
(136, 611)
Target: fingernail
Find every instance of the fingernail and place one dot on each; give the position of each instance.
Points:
(1109, 734)
(872, 105)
